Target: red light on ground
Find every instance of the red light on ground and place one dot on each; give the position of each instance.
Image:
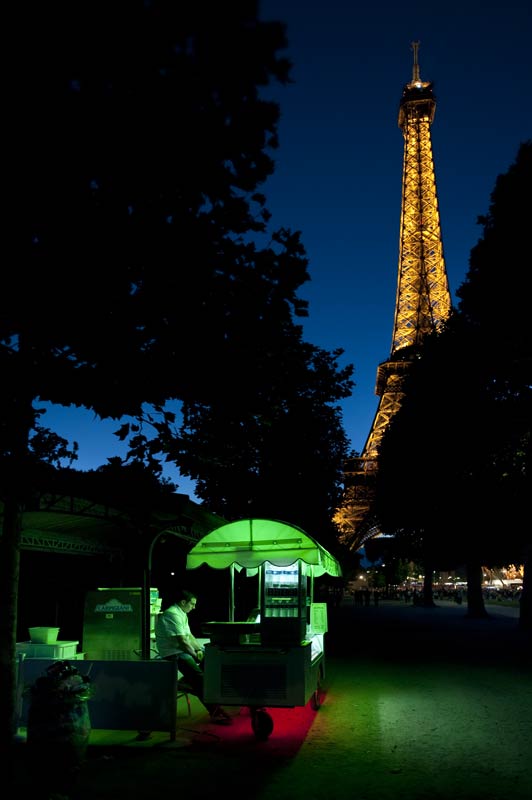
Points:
(290, 728)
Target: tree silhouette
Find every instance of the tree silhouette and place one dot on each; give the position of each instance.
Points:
(272, 444)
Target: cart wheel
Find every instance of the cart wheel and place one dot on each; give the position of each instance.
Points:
(262, 724)
(317, 697)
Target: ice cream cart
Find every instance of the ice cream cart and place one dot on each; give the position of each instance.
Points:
(276, 658)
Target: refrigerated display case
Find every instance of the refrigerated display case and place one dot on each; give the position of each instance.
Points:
(276, 658)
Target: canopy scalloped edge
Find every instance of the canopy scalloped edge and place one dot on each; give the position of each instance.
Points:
(249, 543)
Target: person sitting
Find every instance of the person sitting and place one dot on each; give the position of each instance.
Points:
(175, 642)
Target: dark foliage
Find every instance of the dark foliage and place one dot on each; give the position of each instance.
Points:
(141, 139)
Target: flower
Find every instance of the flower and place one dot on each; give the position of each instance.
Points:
(62, 684)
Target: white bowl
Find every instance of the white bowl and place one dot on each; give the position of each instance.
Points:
(44, 635)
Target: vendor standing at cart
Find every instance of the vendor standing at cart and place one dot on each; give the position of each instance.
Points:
(175, 642)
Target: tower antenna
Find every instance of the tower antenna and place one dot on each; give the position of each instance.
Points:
(415, 69)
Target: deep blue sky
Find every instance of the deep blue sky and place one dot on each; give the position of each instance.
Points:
(339, 164)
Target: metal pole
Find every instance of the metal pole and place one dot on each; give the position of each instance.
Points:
(145, 604)
(232, 593)
(146, 601)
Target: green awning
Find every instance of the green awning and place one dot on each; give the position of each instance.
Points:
(249, 543)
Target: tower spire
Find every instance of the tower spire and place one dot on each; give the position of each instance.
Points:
(423, 301)
(415, 68)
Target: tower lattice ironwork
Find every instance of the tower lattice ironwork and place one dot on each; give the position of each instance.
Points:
(423, 300)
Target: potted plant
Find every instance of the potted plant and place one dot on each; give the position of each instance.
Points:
(58, 723)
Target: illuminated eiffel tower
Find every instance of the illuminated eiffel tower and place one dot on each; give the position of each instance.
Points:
(423, 301)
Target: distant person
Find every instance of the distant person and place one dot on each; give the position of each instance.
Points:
(175, 642)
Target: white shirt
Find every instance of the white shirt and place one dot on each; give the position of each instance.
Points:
(171, 623)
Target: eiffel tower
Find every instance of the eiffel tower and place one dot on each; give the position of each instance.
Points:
(423, 301)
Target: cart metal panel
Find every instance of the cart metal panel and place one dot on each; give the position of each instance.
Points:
(260, 676)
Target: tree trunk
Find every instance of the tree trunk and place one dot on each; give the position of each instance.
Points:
(17, 485)
(475, 599)
(9, 580)
(428, 594)
(525, 613)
